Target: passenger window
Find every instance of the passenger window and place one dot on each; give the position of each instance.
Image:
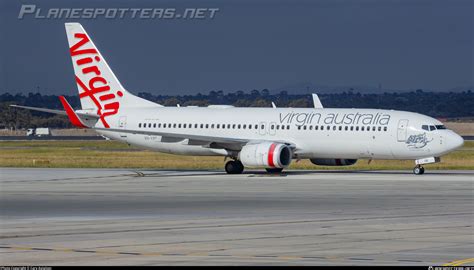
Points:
(184, 125)
(299, 127)
(384, 128)
(154, 125)
(179, 125)
(212, 126)
(263, 126)
(315, 127)
(244, 126)
(380, 128)
(352, 128)
(373, 128)
(357, 128)
(250, 126)
(288, 127)
(328, 127)
(346, 128)
(272, 127)
(139, 125)
(362, 128)
(207, 125)
(310, 127)
(304, 127)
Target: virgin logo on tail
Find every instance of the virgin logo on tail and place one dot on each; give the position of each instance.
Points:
(97, 88)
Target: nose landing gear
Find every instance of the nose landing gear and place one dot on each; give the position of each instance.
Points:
(418, 170)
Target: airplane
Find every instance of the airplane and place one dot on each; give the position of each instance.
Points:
(269, 138)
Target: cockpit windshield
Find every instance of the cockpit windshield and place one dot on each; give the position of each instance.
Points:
(432, 127)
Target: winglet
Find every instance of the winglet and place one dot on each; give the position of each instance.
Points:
(75, 120)
(316, 102)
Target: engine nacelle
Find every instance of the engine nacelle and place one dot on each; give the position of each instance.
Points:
(333, 162)
(266, 154)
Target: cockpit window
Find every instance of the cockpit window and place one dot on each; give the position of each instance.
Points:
(432, 127)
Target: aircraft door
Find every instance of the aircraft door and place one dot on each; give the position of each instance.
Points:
(402, 130)
(272, 128)
(123, 125)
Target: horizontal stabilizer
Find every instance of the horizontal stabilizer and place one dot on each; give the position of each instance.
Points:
(84, 115)
(40, 109)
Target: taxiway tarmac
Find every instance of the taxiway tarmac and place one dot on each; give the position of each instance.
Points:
(123, 217)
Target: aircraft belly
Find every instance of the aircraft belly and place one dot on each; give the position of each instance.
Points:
(335, 148)
(180, 147)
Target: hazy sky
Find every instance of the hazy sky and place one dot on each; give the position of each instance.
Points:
(250, 45)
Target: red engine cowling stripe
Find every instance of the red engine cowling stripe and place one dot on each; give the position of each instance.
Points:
(71, 114)
(270, 155)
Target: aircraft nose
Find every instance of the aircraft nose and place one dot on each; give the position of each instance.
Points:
(455, 141)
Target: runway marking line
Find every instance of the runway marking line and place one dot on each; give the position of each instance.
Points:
(289, 257)
(459, 262)
(205, 254)
(196, 254)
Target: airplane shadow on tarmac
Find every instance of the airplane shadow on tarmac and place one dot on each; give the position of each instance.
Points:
(262, 173)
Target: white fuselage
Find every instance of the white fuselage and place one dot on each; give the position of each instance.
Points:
(315, 133)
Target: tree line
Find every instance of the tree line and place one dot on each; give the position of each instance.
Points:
(435, 104)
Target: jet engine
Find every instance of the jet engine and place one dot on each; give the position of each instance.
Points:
(333, 162)
(266, 154)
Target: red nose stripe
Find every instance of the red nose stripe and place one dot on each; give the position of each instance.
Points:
(71, 114)
(270, 155)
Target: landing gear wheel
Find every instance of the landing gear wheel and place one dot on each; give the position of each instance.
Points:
(418, 170)
(274, 170)
(234, 167)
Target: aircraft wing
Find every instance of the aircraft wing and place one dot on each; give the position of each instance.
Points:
(210, 141)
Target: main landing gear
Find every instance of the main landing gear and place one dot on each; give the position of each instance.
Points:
(418, 170)
(234, 167)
